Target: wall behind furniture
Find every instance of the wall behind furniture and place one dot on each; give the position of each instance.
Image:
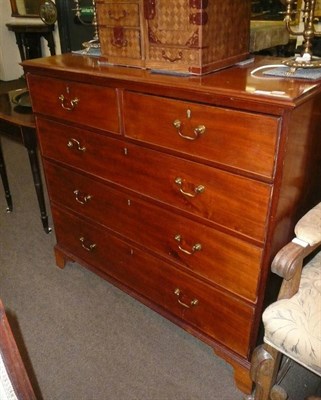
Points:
(9, 53)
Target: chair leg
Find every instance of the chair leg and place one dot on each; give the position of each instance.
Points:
(4, 177)
(264, 369)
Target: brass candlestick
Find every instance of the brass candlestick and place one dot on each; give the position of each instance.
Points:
(306, 60)
(93, 43)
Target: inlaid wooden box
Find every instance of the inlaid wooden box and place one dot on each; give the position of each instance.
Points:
(190, 36)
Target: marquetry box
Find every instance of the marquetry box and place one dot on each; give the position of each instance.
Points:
(190, 36)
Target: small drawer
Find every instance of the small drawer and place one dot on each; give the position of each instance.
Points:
(203, 308)
(240, 140)
(235, 202)
(177, 238)
(90, 105)
(120, 42)
(124, 14)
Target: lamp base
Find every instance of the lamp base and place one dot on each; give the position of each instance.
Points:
(302, 62)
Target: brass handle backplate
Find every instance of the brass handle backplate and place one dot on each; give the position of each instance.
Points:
(195, 247)
(197, 189)
(89, 247)
(75, 143)
(118, 39)
(192, 303)
(68, 105)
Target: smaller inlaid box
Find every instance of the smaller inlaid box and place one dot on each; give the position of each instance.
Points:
(190, 36)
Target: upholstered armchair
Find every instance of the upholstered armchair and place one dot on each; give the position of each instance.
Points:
(292, 325)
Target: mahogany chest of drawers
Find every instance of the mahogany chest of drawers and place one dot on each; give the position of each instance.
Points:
(189, 36)
(179, 190)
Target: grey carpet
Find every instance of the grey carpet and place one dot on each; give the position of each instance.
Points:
(82, 338)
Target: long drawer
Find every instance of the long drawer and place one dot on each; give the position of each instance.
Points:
(175, 237)
(236, 139)
(91, 105)
(208, 310)
(233, 201)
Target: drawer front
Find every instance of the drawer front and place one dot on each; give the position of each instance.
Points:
(125, 14)
(221, 317)
(90, 105)
(121, 42)
(232, 201)
(205, 251)
(236, 139)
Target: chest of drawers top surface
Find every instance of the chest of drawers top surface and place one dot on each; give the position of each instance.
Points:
(234, 86)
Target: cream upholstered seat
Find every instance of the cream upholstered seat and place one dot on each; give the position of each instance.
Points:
(292, 325)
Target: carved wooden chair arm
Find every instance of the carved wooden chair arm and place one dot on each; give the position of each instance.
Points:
(289, 260)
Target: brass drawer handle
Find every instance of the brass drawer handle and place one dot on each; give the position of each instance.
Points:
(81, 198)
(121, 16)
(74, 142)
(198, 131)
(172, 59)
(192, 303)
(68, 105)
(195, 247)
(197, 190)
(89, 247)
